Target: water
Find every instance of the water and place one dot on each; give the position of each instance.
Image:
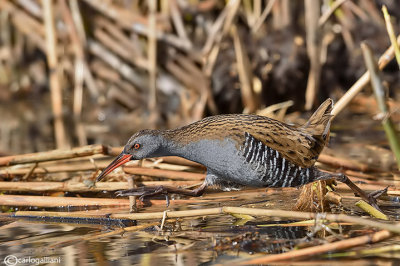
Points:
(190, 241)
(213, 239)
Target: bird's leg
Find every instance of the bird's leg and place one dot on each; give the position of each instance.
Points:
(370, 198)
(150, 191)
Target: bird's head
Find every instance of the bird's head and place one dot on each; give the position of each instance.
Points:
(143, 144)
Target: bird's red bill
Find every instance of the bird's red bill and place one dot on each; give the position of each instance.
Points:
(120, 160)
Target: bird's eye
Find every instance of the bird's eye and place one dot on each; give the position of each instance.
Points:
(136, 146)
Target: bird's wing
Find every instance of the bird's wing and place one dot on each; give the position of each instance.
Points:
(301, 145)
(292, 143)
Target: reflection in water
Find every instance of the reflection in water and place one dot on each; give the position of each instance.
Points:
(24, 239)
(189, 241)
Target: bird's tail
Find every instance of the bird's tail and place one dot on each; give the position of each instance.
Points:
(320, 122)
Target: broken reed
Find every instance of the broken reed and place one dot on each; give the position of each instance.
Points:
(123, 42)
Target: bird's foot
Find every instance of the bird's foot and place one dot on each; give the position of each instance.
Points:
(371, 198)
(140, 191)
(143, 192)
(377, 193)
(150, 191)
(374, 195)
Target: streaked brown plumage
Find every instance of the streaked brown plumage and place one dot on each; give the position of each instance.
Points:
(301, 145)
(239, 150)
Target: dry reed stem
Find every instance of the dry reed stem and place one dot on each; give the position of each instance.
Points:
(140, 24)
(387, 251)
(262, 212)
(184, 70)
(20, 214)
(344, 163)
(303, 224)
(117, 46)
(114, 38)
(123, 17)
(313, 40)
(53, 155)
(384, 59)
(26, 24)
(71, 186)
(358, 173)
(173, 175)
(316, 250)
(369, 179)
(392, 227)
(200, 82)
(32, 7)
(380, 94)
(54, 75)
(132, 199)
(77, 18)
(91, 237)
(392, 35)
(344, 187)
(394, 193)
(83, 165)
(280, 108)
(55, 168)
(371, 210)
(324, 18)
(79, 72)
(178, 22)
(46, 201)
(152, 57)
(78, 101)
(214, 29)
(260, 20)
(220, 28)
(249, 98)
(77, 36)
(116, 63)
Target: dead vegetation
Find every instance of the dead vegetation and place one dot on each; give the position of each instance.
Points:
(76, 73)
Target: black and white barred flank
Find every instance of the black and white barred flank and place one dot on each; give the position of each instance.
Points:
(274, 170)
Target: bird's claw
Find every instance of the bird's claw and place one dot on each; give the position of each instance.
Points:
(143, 192)
(371, 198)
(374, 195)
(377, 193)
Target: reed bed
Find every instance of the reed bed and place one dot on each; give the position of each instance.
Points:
(75, 73)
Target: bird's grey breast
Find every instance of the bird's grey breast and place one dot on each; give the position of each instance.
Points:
(220, 156)
(212, 153)
(250, 163)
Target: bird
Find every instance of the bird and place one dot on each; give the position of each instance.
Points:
(240, 150)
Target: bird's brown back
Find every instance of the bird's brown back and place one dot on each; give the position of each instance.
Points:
(300, 145)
